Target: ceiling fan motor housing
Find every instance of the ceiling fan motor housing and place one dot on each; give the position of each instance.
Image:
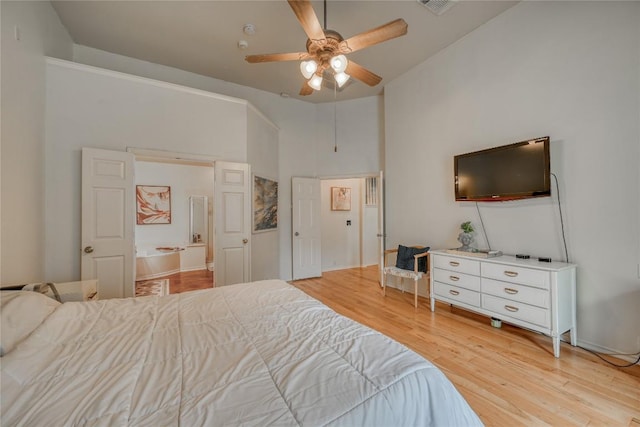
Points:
(325, 50)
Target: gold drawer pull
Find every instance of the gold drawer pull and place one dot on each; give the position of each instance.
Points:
(452, 292)
(511, 308)
(510, 273)
(511, 291)
(454, 278)
(454, 263)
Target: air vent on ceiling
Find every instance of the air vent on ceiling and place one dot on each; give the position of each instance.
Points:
(437, 6)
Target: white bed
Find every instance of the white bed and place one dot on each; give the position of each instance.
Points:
(261, 353)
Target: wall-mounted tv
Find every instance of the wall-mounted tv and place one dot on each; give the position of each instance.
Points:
(510, 172)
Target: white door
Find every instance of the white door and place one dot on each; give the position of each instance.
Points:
(108, 208)
(381, 231)
(232, 207)
(307, 228)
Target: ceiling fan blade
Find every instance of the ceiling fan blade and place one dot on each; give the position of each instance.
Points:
(308, 19)
(271, 57)
(372, 37)
(305, 89)
(365, 76)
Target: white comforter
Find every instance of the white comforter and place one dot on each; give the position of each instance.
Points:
(261, 353)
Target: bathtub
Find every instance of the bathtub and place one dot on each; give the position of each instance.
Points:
(152, 263)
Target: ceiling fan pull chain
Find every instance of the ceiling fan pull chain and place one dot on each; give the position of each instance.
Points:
(335, 119)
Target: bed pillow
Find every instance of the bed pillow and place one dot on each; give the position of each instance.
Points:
(21, 313)
(405, 259)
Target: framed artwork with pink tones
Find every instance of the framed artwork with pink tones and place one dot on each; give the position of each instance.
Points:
(153, 204)
(340, 198)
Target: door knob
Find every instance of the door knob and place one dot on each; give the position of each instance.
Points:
(88, 249)
(245, 241)
(296, 234)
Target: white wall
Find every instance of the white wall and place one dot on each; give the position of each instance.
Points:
(90, 107)
(306, 135)
(355, 126)
(569, 70)
(23, 114)
(262, 155)
(185, 181)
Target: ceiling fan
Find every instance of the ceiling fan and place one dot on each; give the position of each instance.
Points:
(326, 49)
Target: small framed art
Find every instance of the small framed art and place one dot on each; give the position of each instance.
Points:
(340, 198)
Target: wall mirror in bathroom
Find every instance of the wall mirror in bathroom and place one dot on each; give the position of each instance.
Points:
(198, 219)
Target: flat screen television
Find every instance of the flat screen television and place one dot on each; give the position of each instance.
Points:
(510, 172)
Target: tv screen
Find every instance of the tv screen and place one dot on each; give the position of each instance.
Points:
(509, 172)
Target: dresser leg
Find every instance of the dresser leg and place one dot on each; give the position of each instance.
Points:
(556, 346)
(574, 336)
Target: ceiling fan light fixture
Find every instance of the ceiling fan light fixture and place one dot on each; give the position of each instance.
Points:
(315, 82)
(308, 68)
(341, 78)
(339, 63)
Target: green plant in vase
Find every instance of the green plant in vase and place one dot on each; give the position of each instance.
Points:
(466, 237)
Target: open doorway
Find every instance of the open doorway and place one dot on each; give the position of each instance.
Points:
(350, 218)
(109, 214)
(174, 248)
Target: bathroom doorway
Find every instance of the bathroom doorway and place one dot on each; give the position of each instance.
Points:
(109, 216)
(174, 251)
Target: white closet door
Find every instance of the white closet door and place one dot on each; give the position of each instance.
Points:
(307, 228)
(108, 211)
(232, 207)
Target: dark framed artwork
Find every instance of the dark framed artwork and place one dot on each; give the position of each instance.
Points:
(153, 204)
(265, 204)
(340, 198)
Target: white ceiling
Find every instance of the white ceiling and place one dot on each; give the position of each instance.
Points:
(202, 36)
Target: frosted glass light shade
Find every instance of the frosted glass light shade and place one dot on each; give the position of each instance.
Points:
(308, 68)
(315, 82)
(339, 63)
(341, 78)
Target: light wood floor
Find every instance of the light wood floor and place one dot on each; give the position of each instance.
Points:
(190, 281)
(508, 375)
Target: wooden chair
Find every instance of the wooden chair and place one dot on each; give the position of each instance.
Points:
(414, 274)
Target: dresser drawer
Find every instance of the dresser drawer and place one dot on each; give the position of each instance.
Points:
(84, 290)
(457, 264)
(516, 310)
(514, 292)
(454, 278)
(454, 293)
(513, 274)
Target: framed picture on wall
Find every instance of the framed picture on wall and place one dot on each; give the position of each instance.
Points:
(340, 198)
(265, 204)
(153, 204)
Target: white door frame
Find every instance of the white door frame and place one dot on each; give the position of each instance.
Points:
(382, 236)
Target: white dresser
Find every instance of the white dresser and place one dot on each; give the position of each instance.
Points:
(535, 295)
(84, 290)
